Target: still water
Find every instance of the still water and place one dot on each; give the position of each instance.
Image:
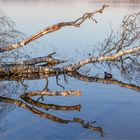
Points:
(102, 111)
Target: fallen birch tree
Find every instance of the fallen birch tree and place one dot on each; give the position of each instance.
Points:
(112, 52)
(119, 50)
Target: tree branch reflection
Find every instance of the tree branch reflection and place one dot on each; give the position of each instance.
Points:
(32, 109)
(95, 79)
(48, 106)
(76, 75)
(21, 104)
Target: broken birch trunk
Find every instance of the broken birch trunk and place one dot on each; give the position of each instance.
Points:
(111, 51)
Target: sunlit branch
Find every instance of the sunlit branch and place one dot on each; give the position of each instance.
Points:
(89, 60)
(53, 28)
(41, 61)
(111, 52)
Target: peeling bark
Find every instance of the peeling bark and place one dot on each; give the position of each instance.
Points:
(46, 60)
(118, 52)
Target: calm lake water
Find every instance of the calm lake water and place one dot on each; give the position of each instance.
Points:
(115, 109)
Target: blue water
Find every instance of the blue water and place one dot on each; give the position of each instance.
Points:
(115, 109)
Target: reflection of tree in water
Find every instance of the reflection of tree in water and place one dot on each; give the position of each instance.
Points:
(32, 105)
(40, 109)
(8, 35)
(117, 53)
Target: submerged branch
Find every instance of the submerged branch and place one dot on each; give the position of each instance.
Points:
(23, 69)
(113, 57)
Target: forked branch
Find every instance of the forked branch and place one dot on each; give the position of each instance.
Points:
(53, 28)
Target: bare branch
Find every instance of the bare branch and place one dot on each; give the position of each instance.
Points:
(89, 60)
(41, 61)
(51, 29)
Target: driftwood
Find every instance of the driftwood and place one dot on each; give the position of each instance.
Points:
(112, 81)
(18, 69)
(29, 66)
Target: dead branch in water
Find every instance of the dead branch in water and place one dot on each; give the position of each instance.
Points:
(120, 51)
(40, 61)
(111, 52)
(53, 28)
(117, 49)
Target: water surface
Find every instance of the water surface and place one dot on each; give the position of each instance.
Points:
(115, 109)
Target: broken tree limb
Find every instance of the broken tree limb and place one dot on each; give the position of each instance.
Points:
(18, 69)
(23, 69)
(113, 51)
(46, 60)
(115, 48)
(53, 28)
(89, 60)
